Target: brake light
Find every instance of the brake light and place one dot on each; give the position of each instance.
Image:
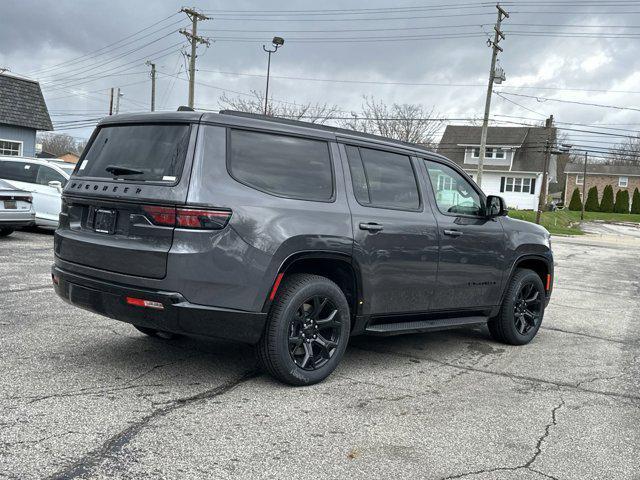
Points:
(141, 302)
(204, 219)
(161, 215)
(199, 218)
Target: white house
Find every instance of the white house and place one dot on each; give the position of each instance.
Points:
(513, 164)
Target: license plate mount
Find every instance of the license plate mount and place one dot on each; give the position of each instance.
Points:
(105, 221)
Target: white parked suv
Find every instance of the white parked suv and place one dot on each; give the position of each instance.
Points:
(45, 179)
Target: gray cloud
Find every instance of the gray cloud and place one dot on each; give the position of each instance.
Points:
(37, 35)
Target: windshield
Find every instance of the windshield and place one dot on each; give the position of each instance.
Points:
(153, 153)
(68, 169)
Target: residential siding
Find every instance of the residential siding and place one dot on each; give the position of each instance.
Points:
(600, 181)
(20, 134)
(514, 200)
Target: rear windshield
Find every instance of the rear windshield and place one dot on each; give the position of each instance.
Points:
(148, 153)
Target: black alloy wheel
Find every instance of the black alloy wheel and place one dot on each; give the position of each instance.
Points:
(314, 332)
(522, 309)
(527, 308)
(307, 330)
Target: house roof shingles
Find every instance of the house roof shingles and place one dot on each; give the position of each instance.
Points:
(22, 104)
(603, 169)
(530, 141)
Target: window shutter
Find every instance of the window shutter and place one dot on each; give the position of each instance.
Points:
(533, 186)
(501, 184)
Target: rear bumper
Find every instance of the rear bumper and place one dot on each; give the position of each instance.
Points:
(177, 315)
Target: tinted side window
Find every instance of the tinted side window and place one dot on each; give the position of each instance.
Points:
(358, 177)
(19, 171)
(48, 174)
(383, 179)
(454, 194)
(282, 165)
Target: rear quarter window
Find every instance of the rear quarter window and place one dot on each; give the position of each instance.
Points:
(281, 165)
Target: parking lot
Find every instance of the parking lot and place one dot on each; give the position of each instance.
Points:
(83, 396)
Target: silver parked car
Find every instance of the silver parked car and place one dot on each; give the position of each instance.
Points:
(16, 209)
(45, 179)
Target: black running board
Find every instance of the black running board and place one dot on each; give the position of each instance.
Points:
(398, 328)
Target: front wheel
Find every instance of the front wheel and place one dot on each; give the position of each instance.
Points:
(522, 309)
(307, 330)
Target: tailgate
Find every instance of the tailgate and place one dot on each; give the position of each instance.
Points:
(107, 221)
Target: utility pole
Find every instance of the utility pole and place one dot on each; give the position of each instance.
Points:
(118, 95)
(542, 200)
(193, 37)
(584, 185)
(153, 84)
(111, 102)
(502, 14)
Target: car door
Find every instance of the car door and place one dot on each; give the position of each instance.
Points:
(395, 236)
(472, 247)
(50, 198)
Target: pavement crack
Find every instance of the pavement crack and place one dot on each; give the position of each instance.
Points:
(595, 337)
(29, 289)
(547, 430)
(116, 443)
(512, 376)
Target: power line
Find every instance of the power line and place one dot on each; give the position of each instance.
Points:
(544, 99)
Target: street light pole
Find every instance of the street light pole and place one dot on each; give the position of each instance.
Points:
(277, 42)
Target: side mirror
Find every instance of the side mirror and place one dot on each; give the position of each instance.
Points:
(496, 207)
(55, 184)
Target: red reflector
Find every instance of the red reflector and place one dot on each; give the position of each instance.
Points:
(205, 219)
(161, 215)
(140, 302)
(276, 284)
(548, 282)
(54, 279)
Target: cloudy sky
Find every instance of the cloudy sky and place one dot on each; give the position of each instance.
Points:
(426, 52)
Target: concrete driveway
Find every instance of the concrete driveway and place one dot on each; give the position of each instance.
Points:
(83, 396)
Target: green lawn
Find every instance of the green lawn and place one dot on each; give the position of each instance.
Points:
(566, 222)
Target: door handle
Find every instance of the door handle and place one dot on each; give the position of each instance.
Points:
(453, 233)
(371, 227)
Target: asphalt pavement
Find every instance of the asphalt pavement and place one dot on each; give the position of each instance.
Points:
(82, 396)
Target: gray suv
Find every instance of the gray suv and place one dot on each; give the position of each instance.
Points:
(290, 236)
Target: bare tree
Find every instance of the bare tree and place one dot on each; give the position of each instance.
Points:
(407, 122)
(625, 153)
(60, 143)
(314, 113)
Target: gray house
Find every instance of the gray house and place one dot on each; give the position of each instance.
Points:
(22, 113)
(513, 164)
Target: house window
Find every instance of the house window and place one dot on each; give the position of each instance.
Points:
(623, 182)
(579, 179)
(517, 184)
(445, 182)
(7, 147)
(489, 152)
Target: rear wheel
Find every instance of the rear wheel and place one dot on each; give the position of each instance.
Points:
(307, 330)
(5, 232)
(522, 310)
(155, 333)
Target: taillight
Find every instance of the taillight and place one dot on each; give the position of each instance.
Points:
(203, 219)
(23, 199)
(141, 302)
(161, 215)
(198, 218)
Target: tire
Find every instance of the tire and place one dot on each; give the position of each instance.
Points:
(5, 232)
(305, 337)
(518, 323)
(156, 333)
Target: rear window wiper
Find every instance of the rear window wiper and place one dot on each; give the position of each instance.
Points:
(117, 171)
